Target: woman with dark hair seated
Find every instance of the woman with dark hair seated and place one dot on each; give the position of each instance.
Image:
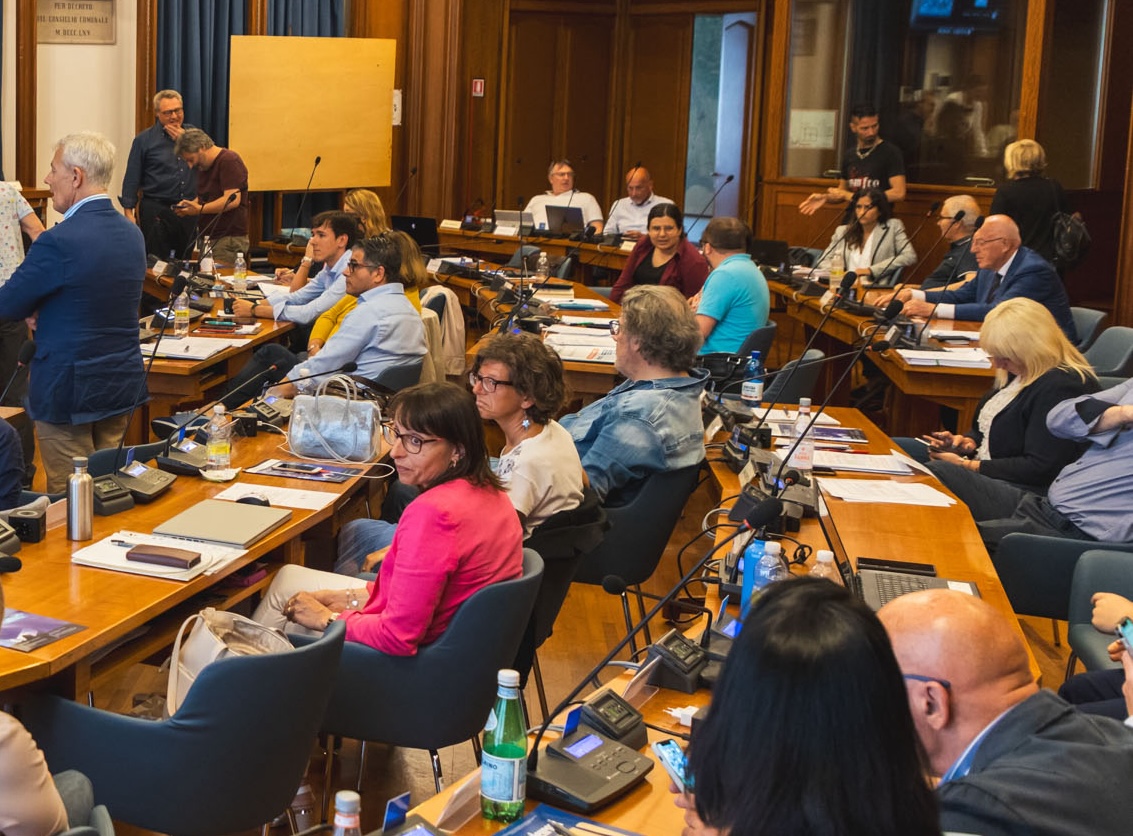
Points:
(459, 535)
(518, 383)
(664, 256)
(809, 730)
(874, 244)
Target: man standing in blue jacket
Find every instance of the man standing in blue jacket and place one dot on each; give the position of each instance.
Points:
(1006, 270)
(81, 283)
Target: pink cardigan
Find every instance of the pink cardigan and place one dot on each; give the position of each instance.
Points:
(686, 270)
(451, 541)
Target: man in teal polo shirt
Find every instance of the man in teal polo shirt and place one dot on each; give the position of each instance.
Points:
(735, 300)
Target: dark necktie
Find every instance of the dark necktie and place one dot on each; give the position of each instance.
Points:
(994, 287)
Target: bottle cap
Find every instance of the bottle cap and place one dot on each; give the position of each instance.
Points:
(79, 461)
(824, 556)
(239, 255)
(508, 678)
(772, 547)
(218, 409)
(804, 402)
(347, 801)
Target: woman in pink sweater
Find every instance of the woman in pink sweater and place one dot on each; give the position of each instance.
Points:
(459, 535)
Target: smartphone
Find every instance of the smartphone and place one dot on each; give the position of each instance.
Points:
(925, 443)
(1125, 633)
(672, 758)
(298, 467)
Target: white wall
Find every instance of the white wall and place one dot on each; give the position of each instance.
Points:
(79, 88)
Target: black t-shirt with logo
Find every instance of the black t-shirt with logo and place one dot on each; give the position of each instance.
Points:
(875, 171)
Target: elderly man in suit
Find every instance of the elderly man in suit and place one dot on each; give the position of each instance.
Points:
(82, 282)
(1007, 269)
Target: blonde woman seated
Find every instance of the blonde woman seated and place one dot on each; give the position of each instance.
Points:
(459, 535)
(368, 207)
(1036, 368)
(874, 244)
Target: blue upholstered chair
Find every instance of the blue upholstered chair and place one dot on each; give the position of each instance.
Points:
(230, 759)
(1097, 570)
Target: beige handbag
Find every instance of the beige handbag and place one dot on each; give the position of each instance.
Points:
(345, 429)
(215, 634)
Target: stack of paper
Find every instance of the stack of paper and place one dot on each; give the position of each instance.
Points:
(886, 490)
(192, 348)
(968, 358)
(584, 354)
(578, 335)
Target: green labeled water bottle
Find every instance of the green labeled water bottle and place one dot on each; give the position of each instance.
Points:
(503, 770)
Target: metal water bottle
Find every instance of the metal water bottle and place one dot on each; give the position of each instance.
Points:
(80, 501)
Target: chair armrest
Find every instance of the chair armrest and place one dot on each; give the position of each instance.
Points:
(1036, 572)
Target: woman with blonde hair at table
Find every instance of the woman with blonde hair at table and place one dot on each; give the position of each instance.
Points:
(368, 207)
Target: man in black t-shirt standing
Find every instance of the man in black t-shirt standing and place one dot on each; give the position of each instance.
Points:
(871, 163)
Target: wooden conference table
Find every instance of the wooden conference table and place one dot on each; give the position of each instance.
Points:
(112, 605)
(491, 247)
(918, 390)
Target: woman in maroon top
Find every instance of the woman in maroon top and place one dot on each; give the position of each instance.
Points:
(664, 256)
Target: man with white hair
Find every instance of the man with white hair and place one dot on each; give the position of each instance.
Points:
(959, 263)
(81, 282)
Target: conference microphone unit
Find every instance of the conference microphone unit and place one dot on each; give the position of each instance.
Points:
(294, 238)
(711, 201)
(25, 355)
(585, 770)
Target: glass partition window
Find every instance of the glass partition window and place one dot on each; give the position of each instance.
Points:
(945, 76)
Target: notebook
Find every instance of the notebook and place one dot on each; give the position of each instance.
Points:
(564, 220)
(228, 523)
(878, 587)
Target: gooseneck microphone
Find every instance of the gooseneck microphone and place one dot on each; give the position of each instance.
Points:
(909, 239)
(27, 352)
(919, 340)
(209, 227)
(293, 238)
(711, 201)
(761, 515)
(404, 186)
(822, 233)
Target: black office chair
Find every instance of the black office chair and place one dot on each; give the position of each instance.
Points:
(638, 534)
(436, 303)
(801, 383)
(1112, 352)
(1088, 323)
(565, 270)
(724, 368)
(528, 253)
(562, 541)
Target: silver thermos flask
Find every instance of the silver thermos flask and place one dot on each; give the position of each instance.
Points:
(80, 501)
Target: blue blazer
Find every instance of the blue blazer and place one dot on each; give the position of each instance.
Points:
(1030, 275)
(84, 277)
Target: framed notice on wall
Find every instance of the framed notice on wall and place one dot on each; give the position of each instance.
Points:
(75, 22)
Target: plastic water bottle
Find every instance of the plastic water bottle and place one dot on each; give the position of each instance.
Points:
(751, 393)
(80, 501)
(769, 569)
(802, 459)
(347, 813)
(542, 268)
(824, 566)
(837, 270)
(240, 274)
(181, 315)
(208, 265)
(219, 446)
(503, 775)
(747, 563)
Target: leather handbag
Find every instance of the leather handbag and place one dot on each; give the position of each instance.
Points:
(343, 428)
(215, 634)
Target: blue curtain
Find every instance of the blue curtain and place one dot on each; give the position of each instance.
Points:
(193, 57)
(311, 19)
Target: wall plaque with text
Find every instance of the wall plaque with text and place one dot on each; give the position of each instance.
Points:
(75, 22)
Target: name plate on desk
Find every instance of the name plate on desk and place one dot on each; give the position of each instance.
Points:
(450, 225)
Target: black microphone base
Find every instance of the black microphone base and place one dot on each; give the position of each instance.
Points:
(183, 464)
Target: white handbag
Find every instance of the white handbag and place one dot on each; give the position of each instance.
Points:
(345, 429)
(215, 634)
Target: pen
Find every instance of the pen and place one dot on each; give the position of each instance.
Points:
(559, 828)
(126, 544)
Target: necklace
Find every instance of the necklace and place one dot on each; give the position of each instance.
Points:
(872, 148)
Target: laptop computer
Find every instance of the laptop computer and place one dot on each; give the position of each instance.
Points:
(422, 230)
(773, 254)
(877, 587)
(227, 523)
(508, 222)
(564, 220)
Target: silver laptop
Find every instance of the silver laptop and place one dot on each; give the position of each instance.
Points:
(227, 523)
(510, 219)
(564, 220)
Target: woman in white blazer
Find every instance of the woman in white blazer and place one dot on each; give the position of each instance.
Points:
(874, 245)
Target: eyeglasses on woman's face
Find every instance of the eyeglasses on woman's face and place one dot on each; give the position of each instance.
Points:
(412, 442)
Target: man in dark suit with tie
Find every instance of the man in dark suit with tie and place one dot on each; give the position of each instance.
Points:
(1006, 270)
(81, 282)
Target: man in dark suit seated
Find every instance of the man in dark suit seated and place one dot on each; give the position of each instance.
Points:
(1012, 758)
(1007, 270)
(82, 282)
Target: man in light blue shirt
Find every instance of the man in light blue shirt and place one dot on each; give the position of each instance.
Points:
(735, 299)
(384, 330)
(650, 423)
(332, 236)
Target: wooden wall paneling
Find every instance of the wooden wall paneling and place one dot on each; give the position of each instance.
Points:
(583, 121)
(531, 102)
(614, 176)
(26, 65)
(773, 107)
(257, 17)
(1123, 297)
(656, 114)
(482, 56)
(145, 64)
(1038, 15)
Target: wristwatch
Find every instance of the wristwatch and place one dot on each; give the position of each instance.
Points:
(307, 260)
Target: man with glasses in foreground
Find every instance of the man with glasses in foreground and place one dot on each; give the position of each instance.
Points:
(162, 179)
(1012, 758)
(1007, 270)
(650, 423)
(959, 263)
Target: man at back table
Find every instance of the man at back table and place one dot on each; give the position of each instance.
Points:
(563, 193)
(82, 281)
(959, 263)
(651, 422)
(222, 189)
(872, 163)
(1012, 758)
(1007, 270)
(735, 299)
(383, 330)
(629, 216)
(157, 179)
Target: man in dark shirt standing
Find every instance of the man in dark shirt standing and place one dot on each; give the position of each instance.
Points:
(222, 189)
(872, 163)
(156, 179)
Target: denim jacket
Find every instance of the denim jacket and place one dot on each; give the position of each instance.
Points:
(641, 427)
